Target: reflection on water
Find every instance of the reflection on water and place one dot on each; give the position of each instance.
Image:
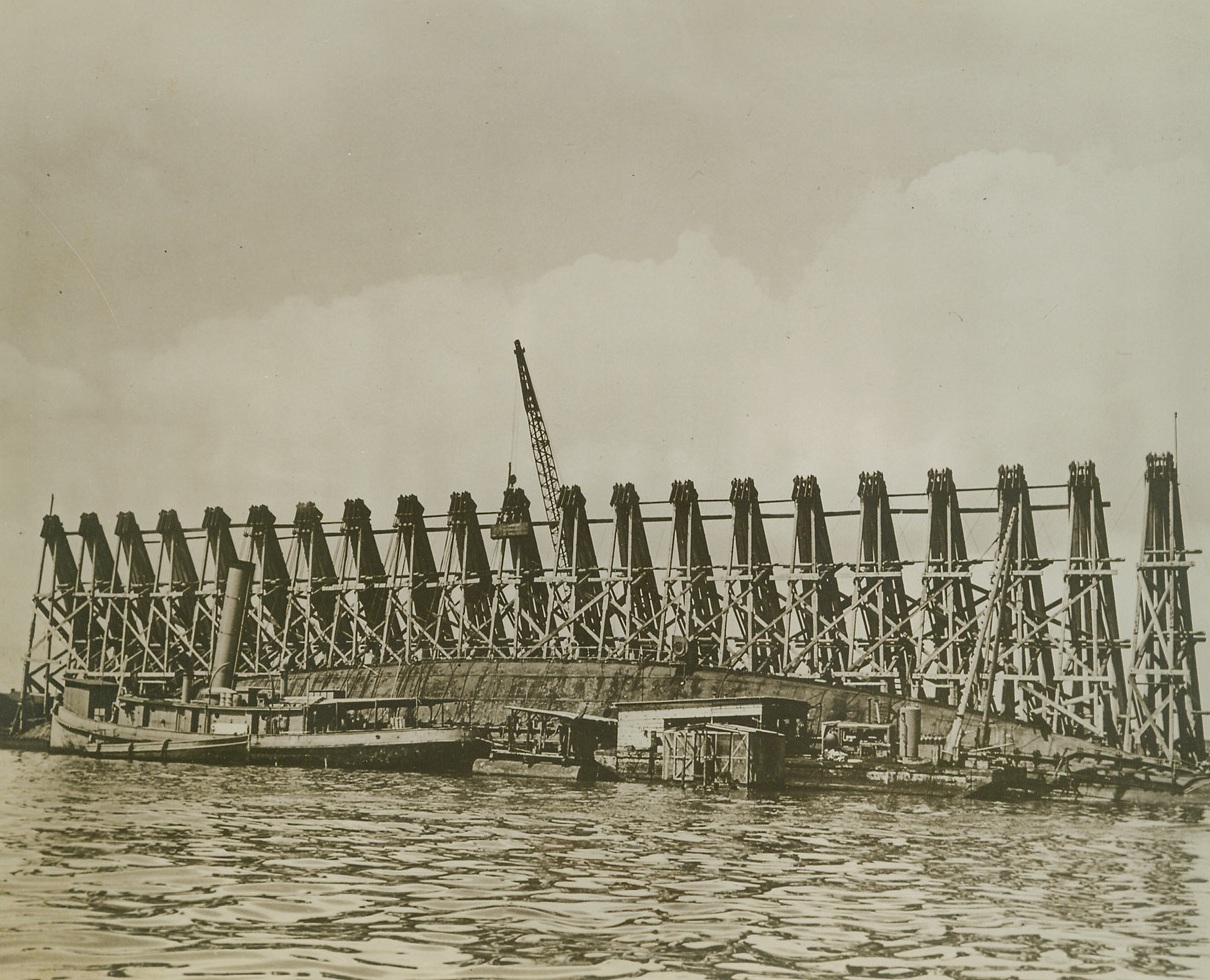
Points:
(149, 870)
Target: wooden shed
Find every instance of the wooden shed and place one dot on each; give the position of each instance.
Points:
(719, 754)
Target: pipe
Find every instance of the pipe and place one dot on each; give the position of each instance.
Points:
(909, 721)
(231, 625)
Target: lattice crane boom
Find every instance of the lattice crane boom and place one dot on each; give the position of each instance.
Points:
(544, 458)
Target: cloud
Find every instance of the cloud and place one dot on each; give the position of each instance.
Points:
(207, 161)
(998, 308)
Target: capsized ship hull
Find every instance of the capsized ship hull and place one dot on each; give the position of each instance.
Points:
(487, 687)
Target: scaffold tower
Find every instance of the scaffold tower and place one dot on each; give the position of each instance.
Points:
(1013, 634)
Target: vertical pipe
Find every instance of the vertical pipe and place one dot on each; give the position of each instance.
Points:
(909, 722)
(231, 624)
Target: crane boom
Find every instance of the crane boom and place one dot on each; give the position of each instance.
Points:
(544, 458)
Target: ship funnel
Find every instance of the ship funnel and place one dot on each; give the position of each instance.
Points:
(231, 625)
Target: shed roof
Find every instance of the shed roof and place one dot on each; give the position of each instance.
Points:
(763, 702)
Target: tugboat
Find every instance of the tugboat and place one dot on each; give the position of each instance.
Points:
(322, 729)
(101, 717)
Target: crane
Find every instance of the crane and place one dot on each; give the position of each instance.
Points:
(544, 458)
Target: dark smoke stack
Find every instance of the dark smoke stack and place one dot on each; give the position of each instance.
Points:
(231, 625)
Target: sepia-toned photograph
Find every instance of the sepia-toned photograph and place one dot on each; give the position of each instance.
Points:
(643, 490)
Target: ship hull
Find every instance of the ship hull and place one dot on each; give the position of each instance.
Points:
(1133, 789)
(437, 750)
(488, 686)
(84, 736)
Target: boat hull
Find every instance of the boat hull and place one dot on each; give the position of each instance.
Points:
(1128, 789)
(436, 750)
(84, 736)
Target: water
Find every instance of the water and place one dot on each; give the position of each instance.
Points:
(150, 870)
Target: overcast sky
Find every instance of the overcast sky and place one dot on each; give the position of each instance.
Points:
(259, 252)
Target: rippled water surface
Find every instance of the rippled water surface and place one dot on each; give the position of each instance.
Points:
(150, 870)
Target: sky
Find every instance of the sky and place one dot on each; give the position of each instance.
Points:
(273, 252)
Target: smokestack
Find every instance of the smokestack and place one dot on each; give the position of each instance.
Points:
(231, 625)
